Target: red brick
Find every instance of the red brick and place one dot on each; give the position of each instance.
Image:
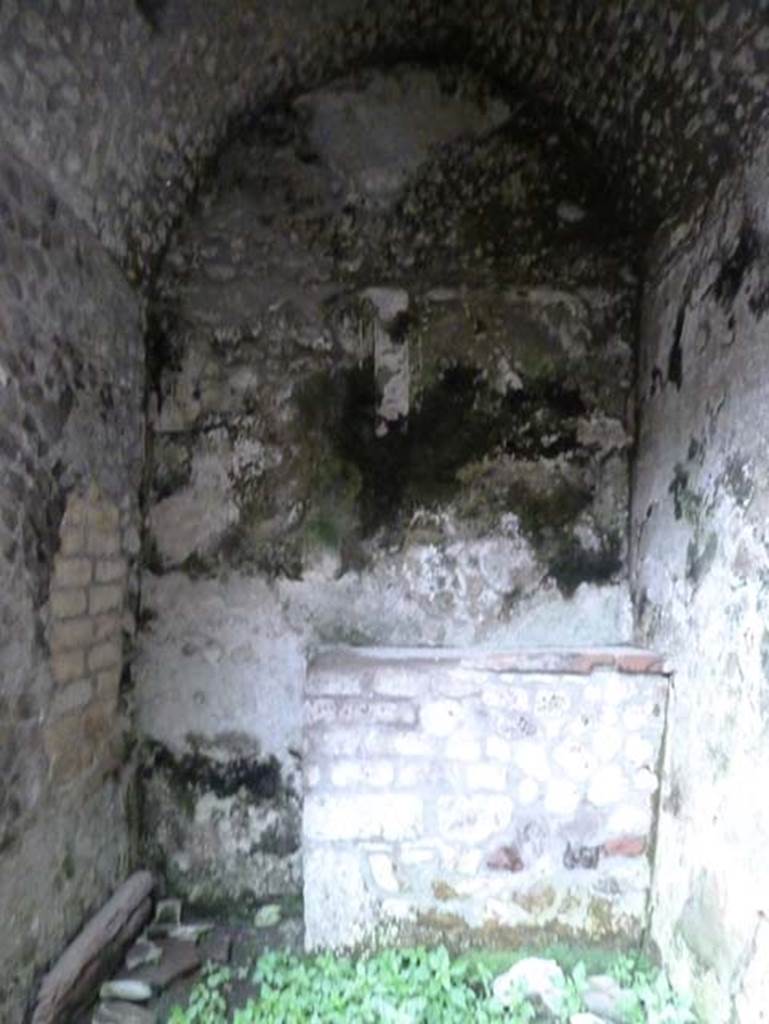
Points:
(625, 846)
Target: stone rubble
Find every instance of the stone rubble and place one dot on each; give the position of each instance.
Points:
(166, 951)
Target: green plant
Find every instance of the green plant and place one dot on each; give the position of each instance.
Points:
(208, 1000)
(393, 987)
(649, 997)
(574, 987)
(412, 986)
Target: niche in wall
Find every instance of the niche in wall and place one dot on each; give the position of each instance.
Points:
(391, 363)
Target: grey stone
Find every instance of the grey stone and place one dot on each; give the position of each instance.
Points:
(168, 912)
(190, 932)
(540, 980)
(123, 1013)
(178, 959)
(605, 997)
(142, 952)
(126, 990)
(268, 916)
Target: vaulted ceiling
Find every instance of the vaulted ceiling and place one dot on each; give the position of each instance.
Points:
(124, 106)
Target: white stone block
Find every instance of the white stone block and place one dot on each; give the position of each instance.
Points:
(639, 751)
(396, 682)
(550, 702)
(346, 774)
(506, 698)
(532, 759)
(562, 797)
(416, 773)
(391, 816)
(464, 745)
(487, 776)
(498, 749)
(469, 887)
(629, 820)
(409, 744)
(528, 792)
(638, 716)
(607, 743)
(352, 711)
(333, 685)
(441, 717)
(469, 863)
(412, 854)
(472, 819)
(645, 780)
(609, 786)
(339, 911)
(576, 759)
(383, 872)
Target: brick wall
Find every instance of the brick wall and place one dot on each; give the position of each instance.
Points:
(479, 797)
(87, 598)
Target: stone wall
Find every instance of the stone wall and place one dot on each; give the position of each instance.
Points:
(479, 798)
(71, 446)
(391, 363)
(700, 557)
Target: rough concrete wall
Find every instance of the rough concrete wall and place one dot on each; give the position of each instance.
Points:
(700, 576)
(71, 444)
(478, 799)
(392, 363)
(122, 103)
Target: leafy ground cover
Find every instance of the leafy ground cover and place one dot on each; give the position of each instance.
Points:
(416, 986)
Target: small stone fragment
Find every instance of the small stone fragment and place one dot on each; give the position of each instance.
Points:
(570, 213)
(168, 912)
(126, 989)
(190, 932)
(267, 916)
(178, 959)
(542, 981)
(142, 952)
(604, 996)
(123, 1013)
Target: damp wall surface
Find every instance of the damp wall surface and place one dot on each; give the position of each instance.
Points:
(479, 797)
(390, 375)
(71, 446)
(699, 539)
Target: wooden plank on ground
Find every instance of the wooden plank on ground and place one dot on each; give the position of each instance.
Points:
(96, 951)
